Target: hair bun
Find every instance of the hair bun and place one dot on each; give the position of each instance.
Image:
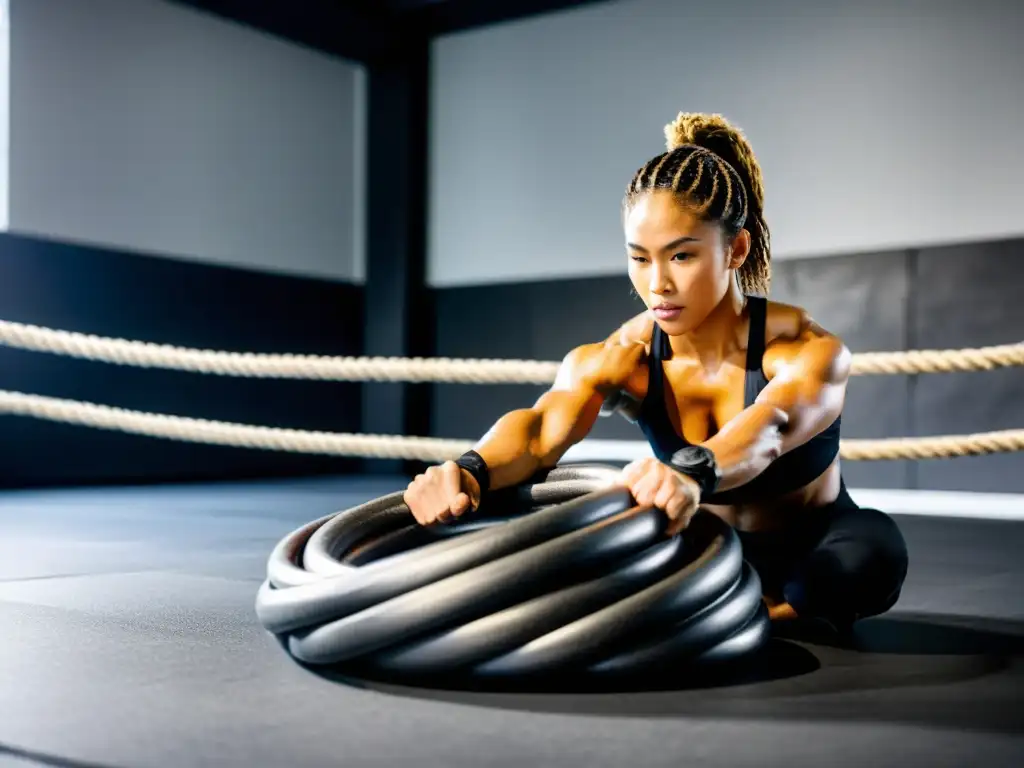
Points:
(716, 134)
(700, 129)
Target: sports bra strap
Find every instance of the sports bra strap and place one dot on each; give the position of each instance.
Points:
(791, 471)
(755, 379)
(755, 339)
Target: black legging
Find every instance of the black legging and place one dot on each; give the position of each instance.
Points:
(842, 564)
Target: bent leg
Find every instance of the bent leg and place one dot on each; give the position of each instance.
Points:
(779, 611)
(855, 570)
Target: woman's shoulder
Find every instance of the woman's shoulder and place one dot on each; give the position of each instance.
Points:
(638, 329)
(789, 322)
(621, 357)
(790, 329)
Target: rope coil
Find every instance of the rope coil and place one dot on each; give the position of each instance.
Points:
(437, 369)
(561, 576)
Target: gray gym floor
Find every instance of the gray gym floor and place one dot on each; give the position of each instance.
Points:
(128, 638)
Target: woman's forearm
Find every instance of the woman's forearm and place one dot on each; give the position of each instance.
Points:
(745, 447)
(801, 400)
(529, 439)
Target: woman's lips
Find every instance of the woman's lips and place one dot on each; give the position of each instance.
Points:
(666, 311)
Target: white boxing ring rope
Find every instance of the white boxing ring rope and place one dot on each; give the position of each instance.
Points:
(464, 371)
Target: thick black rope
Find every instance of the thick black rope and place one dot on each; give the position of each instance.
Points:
(561, 576)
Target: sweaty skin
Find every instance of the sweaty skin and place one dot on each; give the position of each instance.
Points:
(679, 261)
(807, 369)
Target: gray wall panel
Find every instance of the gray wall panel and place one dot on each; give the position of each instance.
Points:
(532, 321)
(566, 314)
(961, 296)
(538, 125)
(970, 296)
(484, 322)
(863, 299)
(145, 126)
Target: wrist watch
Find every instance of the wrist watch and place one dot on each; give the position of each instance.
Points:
(698, 463)
(474, 464)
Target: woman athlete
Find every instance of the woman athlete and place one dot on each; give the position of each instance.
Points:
(740, 398)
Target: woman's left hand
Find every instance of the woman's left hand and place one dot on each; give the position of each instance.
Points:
(654, 483)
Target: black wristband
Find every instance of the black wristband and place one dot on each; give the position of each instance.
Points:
(698, 463)
(474, 463)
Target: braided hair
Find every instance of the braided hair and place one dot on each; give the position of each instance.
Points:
(711, 166)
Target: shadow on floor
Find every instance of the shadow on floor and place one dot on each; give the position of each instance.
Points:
(42, 758)
(919, 634)
(941, 671)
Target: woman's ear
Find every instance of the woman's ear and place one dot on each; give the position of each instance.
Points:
(739, 249)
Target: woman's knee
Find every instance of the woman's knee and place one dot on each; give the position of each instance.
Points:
(867, 541)
(858, 567)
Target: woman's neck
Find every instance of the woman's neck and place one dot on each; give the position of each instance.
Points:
(718, 336)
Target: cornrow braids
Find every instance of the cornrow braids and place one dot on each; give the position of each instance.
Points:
(711, 166)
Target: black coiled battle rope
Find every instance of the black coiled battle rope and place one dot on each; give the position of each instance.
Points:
(563, 575)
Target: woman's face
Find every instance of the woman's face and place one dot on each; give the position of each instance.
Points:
(680, 265)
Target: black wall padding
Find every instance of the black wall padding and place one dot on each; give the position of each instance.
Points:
(121, 294)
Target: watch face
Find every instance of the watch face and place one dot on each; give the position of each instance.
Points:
(699, 463)
(691, 454)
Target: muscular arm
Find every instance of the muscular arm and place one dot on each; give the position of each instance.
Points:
(529, 439)
(808, 372)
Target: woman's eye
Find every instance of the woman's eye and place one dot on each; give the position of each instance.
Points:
(682, 256)
(638, 259)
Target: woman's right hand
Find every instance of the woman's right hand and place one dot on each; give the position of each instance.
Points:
(442, 493)
(609, 367)
(636, 330)
(612, 365)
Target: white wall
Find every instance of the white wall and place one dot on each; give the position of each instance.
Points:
(5, 79)
(147, 126)
(879, 124)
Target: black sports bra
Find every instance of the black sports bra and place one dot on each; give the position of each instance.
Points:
(787, 473)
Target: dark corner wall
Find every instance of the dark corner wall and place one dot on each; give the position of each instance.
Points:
(933, 298)
(167, 301)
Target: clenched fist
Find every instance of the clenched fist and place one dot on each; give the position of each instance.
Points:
(442, 493)
(608, 367)
(636, 330)
(654, 483)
